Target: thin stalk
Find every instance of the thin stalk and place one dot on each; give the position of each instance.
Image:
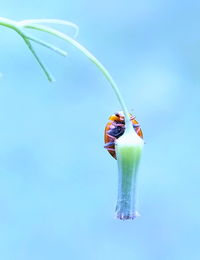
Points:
(18, 26)
(51, 21)
(47, 73)
(10, 24)
(93, 59)
(14, 26)
(47, 45)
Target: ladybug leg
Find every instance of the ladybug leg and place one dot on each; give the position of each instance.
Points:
(136, 125)
(108, 144)
(112, 126)
(111, 149)
(112, 137)
(117, 124)
(137, 131)
(132, 117)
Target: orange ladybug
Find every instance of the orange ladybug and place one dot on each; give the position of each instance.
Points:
(115, 128)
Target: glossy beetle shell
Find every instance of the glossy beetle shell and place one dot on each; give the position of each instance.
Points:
(115, 128)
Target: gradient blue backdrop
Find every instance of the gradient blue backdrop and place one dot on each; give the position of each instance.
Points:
(58, 185)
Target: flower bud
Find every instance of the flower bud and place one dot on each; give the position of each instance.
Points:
(128, 150)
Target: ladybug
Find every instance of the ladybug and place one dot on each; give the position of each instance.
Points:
(115, 128)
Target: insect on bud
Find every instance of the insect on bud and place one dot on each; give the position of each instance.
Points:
(125, 143)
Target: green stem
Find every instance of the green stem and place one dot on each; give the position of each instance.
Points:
(10, 24)
(51, 21)
(18, 26)
(48, 45)
(14, 26)
(47, 73)
(93, 59)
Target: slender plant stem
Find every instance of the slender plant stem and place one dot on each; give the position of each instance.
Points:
(93, 59)
(35, 24)
(48, 45)
(51, 21)
(10, 24)
(47, 73)
(14, 26)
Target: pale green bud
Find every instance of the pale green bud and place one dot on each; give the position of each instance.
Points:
(128, 150)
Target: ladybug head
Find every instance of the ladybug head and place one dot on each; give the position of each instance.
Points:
(118, 116)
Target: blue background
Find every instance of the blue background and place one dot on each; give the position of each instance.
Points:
(58, 185)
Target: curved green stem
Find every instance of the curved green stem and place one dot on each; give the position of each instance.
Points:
(93, 59)
(10, 24)
(51, 21)
(35, 24)
(48, 45)
(14, 26)
(47, 73)
(129, 145)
